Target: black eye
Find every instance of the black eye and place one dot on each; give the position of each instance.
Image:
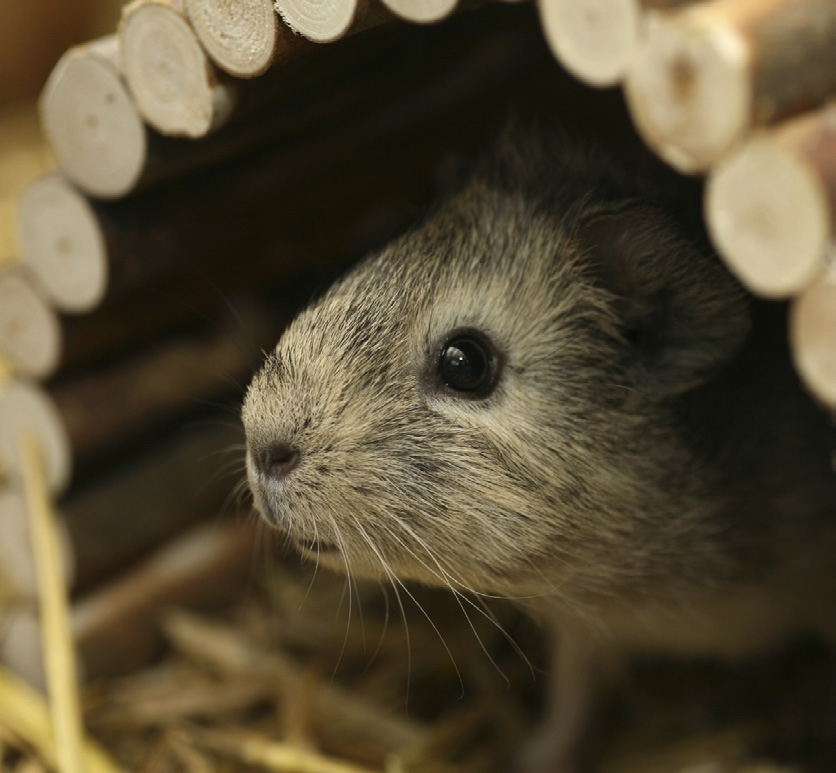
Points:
(466, 364)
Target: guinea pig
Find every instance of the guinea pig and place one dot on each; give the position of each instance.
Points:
(550, 390)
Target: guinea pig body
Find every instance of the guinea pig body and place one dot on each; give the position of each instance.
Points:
(546, 391)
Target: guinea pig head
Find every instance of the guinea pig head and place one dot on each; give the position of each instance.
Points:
(465, 409)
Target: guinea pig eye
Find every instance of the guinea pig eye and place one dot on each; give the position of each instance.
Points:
(467, 364)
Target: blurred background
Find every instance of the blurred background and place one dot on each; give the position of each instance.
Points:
(34, 33)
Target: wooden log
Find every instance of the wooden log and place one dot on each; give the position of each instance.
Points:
(183, 478)
(166, 382)
(771, 205)
(17, 563)
(251, 206)
(706, 74)
(116, 518)
(176, 305)
(326, 90)
(242, 38)
(176, 88)
(813, 334)
(26, 408)
(84, 253)
(103, 146)
(91, 120)
(597, 40)
(421, 11)
(84, 419)
(30, 332)
(325, 21)
(117, 628)
(62, 244)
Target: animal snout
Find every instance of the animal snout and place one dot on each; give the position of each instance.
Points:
(279, 460)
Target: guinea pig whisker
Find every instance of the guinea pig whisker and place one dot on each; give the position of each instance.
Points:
(313, 577)
(338, 537)
(396, 580)
(445, 579)
(359, 598)
(384, 627)
(236, 496)
(461, 600)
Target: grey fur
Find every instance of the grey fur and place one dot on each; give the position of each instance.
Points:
(647, 475)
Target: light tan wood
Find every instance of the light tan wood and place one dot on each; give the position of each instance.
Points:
(771, 205)
(62, 244)
(26, 408)
(705, 75)
(174, 85)
(421, 11)
(324, 21)
(30, 332)
(17, 562)
(241, 37)
(596, 40)
(283, 113)
(813, 334)
(91, 121)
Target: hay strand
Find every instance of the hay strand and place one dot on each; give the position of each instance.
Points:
(25, 715)
(55, 617)
(280, 757)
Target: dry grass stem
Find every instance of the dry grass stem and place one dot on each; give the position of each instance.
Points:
(24, 715)
(274, 756)
(58, 645)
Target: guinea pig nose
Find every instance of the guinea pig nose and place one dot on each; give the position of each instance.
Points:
(279, 460)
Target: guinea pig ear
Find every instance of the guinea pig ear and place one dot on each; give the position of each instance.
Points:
(683, 317)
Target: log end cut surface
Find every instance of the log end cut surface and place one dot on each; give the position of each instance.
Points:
(240, 37)
(322, 21)
(421, 11)
(62, 244)
(24, 408)
(92, 123)
(688, 91)
(813, 334)
(30, 333)
(594, 39)
(768, 216)
(167, 71)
